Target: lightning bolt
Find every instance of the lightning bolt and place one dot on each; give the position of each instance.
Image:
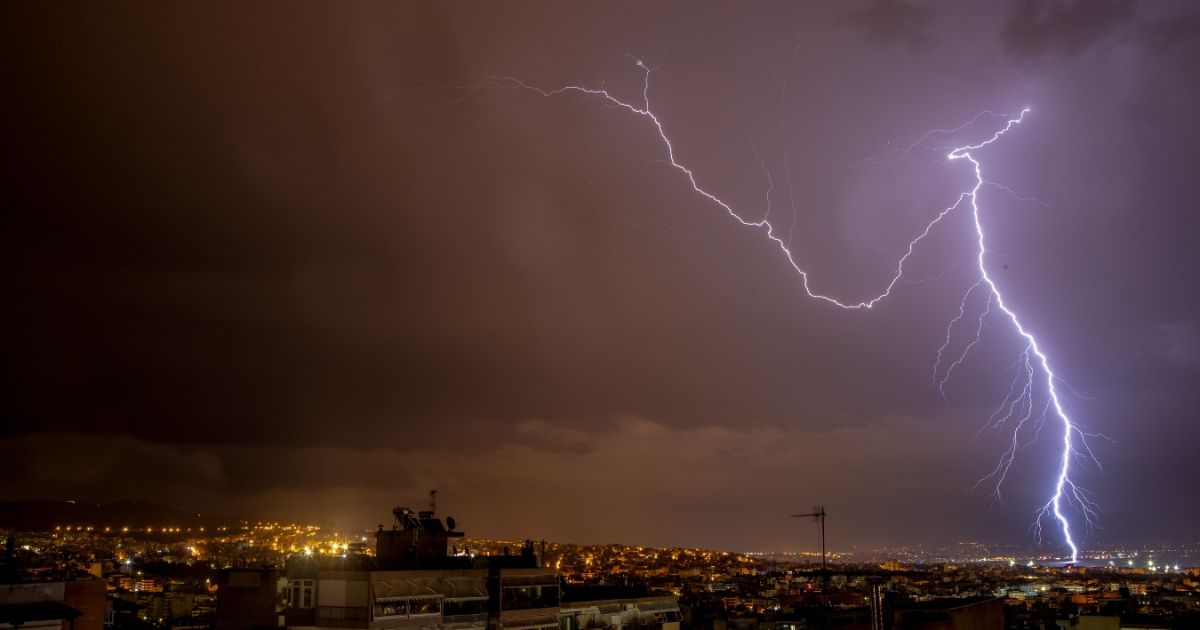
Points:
(1066, 491)
(1032, 363)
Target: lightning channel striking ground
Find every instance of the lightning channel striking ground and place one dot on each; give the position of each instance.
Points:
(1065, 489)
(1032, 362)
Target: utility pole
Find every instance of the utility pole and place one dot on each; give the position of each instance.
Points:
(818, 512)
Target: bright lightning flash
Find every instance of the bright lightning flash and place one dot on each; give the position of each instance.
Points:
(1032, 363)
(1065, 489)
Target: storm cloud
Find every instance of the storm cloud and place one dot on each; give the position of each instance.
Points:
(311, 261)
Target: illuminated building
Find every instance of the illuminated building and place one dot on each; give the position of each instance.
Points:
(414, 582)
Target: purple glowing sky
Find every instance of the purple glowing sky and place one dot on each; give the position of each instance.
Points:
(288, 263)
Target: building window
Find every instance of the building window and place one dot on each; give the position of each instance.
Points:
(525, 597)
(426, 606)
(454, 607)
(405, 607)
(300, 593)
(391, 608)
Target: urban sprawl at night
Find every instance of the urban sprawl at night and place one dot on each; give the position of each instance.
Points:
(420, 572)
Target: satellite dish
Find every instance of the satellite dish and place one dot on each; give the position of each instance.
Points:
(451, 523)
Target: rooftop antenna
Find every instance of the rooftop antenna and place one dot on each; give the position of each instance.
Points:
(818, 512)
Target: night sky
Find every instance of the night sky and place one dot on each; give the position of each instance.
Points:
(307, 261)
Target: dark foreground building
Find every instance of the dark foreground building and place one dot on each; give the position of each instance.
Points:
(246, 598)
(973, 613)
(416, 581)
(69, 605)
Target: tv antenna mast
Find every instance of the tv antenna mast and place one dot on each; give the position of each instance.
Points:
(818, 513)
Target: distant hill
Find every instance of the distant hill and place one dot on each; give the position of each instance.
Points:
(46, 515)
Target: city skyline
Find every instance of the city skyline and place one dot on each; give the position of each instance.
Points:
(305, 259)
(304, 577)
(147, 529)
